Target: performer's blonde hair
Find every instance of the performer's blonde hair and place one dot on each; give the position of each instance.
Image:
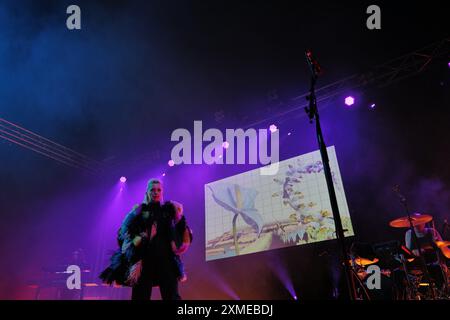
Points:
(150, 183)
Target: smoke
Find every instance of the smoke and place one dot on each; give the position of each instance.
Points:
(136, 71)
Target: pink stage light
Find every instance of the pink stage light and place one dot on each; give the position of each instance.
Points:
(273, 128)
(171, 163)
(349, 100)
(123, 179)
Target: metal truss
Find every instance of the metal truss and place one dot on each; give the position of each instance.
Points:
(18, 135)
(379, 76)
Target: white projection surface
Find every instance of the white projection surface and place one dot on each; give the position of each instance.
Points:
(250, 212)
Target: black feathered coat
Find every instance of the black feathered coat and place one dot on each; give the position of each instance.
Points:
(157, 252)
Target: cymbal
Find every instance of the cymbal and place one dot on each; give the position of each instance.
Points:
(441, 244)
(417, 218)
(444, 246)
(365, 262)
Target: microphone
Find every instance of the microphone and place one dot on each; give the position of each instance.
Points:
(396, 189)
(313, 64)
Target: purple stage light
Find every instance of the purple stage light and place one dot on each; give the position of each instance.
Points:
(273, 128)
(372, 106)
(123, 179)
(171, 163)
(280, 271)
(289, 133)
(164, 174)
(349, 100)
(225, 144)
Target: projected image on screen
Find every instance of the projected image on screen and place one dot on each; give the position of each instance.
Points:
(250, 212)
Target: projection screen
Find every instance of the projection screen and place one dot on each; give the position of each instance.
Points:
(250, 212)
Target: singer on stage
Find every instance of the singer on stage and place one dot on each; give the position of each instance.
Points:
(148, 256)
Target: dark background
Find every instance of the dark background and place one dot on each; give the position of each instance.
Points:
(137, 70)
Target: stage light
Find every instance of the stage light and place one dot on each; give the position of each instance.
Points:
(225, 144)
(289, 133)
(280, 271)
(164, 174)
(171, 163)
(372, 106)
(273, 128)
(349, 100)
(93, 284)
(295, 297)
(123, 179)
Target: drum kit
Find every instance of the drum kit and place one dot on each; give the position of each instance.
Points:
(405, 274)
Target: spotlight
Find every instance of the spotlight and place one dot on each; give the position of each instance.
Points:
(349, 100)
(295, 297)
(171, 163)
(225, 144)
(164, 174)
(123, 179)
(273, 128)
(289, 133)
(372, 106)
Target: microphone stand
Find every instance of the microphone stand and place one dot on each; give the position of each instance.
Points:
(414, 238)
(313, 114)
